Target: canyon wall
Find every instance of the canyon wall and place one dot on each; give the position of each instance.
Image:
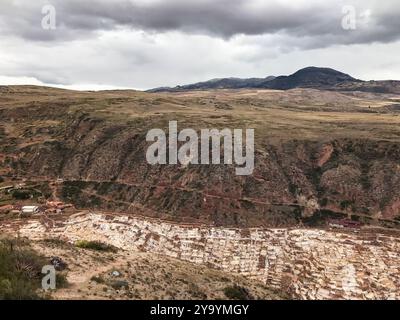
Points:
(306, 263)
(306, 170)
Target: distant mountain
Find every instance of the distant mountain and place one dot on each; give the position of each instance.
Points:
(383, 86)
(220, 83)
(310, 77)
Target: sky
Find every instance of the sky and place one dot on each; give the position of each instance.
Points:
(143, 44)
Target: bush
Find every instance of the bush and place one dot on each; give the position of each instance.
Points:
(21, 195)
(70, 192)
(237, 293)
(95, 245)
(345, 204)
(20, 271)
(196, 292)
(119, 284)
(61, 281)
(324, 202)
(56, 243)
(292, 188)
(24, 194)
(97, 279)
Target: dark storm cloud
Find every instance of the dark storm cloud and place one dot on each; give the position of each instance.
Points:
(320, 20)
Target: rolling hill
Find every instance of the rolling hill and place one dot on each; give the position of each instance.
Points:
(309, 77)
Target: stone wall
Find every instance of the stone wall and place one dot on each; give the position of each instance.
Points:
(307, 263)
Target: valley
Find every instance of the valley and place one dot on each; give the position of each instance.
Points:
(318, 218)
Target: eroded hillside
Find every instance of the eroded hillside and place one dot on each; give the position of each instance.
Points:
(319, 154)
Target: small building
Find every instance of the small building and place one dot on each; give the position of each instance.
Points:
(30, 209)
(54, 203)
(344, 223)
(56, 206)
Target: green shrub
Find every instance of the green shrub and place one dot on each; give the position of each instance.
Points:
(195, 291)
(292, 188)
(20, 271)
(70, 192)
(94, 201)
(237, 293)
(24, 194)
(97, 279)
(61, 281)
(21, 195)
(344, 204)
(119, 284)
(324, 202)
(56, 243)
(95, 245)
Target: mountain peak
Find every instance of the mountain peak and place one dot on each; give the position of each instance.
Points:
(219, 83)
(309, 77)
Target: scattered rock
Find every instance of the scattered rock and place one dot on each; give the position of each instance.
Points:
(115, 273)
(119, 284)
(58, 263)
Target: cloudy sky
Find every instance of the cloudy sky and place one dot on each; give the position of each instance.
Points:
(149, 43)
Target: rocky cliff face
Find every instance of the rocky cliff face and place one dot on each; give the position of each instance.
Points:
(96, 144)
(307, 264)
(104, 167)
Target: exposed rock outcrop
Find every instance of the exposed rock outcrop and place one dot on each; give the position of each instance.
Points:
(307, 263)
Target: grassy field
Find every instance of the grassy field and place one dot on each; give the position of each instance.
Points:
(298, 113)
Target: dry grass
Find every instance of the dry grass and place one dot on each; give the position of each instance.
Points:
(143, 276)
(305, 113)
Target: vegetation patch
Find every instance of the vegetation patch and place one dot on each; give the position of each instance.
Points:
(20, 271)
(119, 284)
(21, 194)
(56, 243)
(61, 280)
(97, 279)
(95, 245)
(236, 292)
(71, 191)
